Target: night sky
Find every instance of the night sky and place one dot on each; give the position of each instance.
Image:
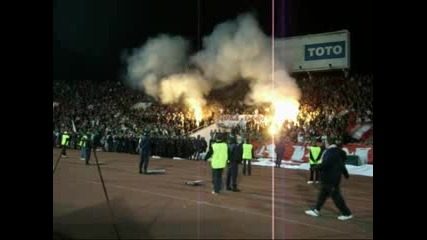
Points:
(89, 36)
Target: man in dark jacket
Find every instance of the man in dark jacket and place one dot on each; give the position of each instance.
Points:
(331, 169)
(280, 151)
(145, 152)
(235, 153)
(88, 148)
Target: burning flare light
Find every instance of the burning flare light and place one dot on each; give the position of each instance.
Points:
(197, 108)
(284, 109)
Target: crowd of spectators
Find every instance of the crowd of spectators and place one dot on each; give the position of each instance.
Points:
(330, 102)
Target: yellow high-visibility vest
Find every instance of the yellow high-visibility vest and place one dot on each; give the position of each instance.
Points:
(315, 151)
(219, 156)
(247, 151)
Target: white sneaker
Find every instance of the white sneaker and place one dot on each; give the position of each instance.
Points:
(309, 182)
(213, 192)
(343, 217)
(312, 212)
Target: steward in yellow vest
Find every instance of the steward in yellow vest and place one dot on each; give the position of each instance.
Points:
(314, 159)
(65, 139)
(219, 154)
(248, 155)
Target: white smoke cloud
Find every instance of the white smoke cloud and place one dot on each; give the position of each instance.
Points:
(157, 58)
(236, 49)
(284, 87)
(188, 86)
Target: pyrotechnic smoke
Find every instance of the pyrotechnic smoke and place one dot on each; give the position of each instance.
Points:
(236, 49)
(158, 58)
(190, 87)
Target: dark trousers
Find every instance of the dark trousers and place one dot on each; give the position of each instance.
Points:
(87, 157)
(64, 150)
(334, 192)
(279, 159)
(232, 172)
(314, 173)
(217, 179)
(143, 163)
(249, 167)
